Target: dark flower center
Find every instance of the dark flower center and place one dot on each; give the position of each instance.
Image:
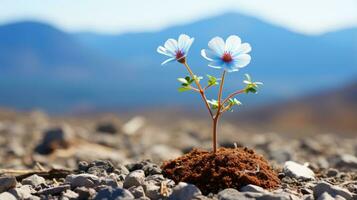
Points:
(179, 54)
(227, 57)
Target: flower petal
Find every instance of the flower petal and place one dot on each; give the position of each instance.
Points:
(244, 48)
(217, 64)
(242, 60)
(168, 60)
(171, 46)
(233, 43)
(217, 45)
(163, 51)
(184, 42)
(209, 55)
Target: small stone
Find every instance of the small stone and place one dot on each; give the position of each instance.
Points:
(83, 166)
(152, 191)
(298, 171)
(305, 191)
(34, 180)
(135, 178)
(85, 193)
(82, 180)
(322, 187)
(23, 192)
(121, 170)
(308, 197)
(138, 192)
(56, 138)
(232, 194)
(332, 172)
(7, 196)
(325, 196)
(347, 161)
(109, 182)
(252, 188)
(100, 168)
(7, 182)
(70, 195)
(54, 190)
(113, 193)
(107, 128)
(184, 191)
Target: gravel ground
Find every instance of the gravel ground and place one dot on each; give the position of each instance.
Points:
(106, 157)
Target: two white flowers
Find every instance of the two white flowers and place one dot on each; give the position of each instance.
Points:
(231, 54)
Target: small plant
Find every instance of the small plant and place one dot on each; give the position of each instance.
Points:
(229, 55)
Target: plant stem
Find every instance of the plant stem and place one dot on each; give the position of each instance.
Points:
(216, 117)
(201, 91)
(232, 95)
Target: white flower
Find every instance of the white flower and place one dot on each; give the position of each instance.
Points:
(230, 55)
(176, 49)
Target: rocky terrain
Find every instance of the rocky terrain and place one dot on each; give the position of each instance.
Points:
(108, 156)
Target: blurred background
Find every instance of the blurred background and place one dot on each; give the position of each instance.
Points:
(80, 58)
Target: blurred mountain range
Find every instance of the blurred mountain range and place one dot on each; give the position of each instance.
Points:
(42, 66)
(333, 110)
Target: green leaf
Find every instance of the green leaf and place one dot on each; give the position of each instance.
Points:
(182, 80)
(213, 103)
(183, 89)
(212, 80)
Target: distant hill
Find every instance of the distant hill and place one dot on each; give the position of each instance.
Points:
(327, 111)
(41, 66)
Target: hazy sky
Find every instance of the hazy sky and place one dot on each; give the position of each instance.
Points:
(117, 16)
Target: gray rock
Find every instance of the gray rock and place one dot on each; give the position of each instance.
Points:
(347, 161)
(298, 171)
(100, 167)
(331, 172)
(283, 196)
(323, 187)
(69, 195)
(56, 138)
(34, 180)
(134, 178)
(113, 194)
(82, 180)
(109, 182)
(7, 196)
(121, 170)
(232, 194)
(24, 192)
(152, 191)
(54, 190)
(308, 197)
(107, 128)
(85, 193)
(138, 191)
(7, 182)
(325, 196)
(252, 188)
(184, 191)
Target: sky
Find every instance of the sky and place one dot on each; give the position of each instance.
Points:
(119, 16)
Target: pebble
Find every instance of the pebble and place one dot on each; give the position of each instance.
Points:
(137, 192)
(107, 128)
(231, 194)
(347, 161)
(184, 191)
(54, 190)
(82, 180)
(7, 182)
(252, 188)
(332, 172)
(7, 196)
(56, 138)
(152, 191)
(134, 178)
(326, 196)
(85, 193)
(298, 171)
(23, 192)
(113, 193)
(69, 195)
(34, 180)
(323, 187)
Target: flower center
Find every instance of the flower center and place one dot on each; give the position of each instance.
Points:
(227, 57)
(179, 54)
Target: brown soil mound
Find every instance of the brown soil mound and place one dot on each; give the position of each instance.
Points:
(228, 168)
